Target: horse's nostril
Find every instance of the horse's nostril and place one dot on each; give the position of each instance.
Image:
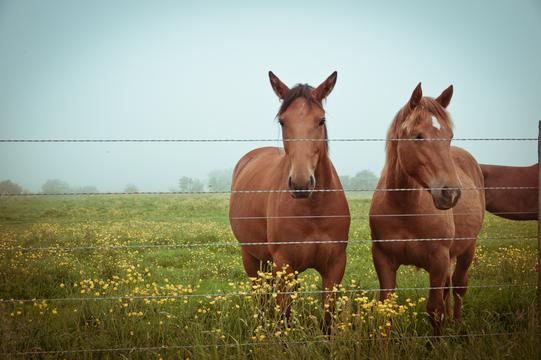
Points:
(289, 183)
(447, 192)
(312, 181)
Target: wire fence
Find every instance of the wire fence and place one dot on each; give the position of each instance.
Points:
(235, 244)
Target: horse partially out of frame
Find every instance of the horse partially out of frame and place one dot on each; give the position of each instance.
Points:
(514, 204)
(432, 174)
(283, 220)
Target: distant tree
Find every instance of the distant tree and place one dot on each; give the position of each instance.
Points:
(364, 179)
(130, 188)
(90, 189)
(189, 184)
(9, 187)
(220, 180)
(55, 186)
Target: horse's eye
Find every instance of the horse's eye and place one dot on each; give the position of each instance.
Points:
(281, 122)
(322, 122)
(419, 137)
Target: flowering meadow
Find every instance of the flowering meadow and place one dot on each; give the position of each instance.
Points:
(148, 276)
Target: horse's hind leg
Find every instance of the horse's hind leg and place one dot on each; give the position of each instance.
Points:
(460, 279)
(252, 265)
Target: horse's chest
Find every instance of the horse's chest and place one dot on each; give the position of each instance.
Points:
(305, 228)
(409, 241)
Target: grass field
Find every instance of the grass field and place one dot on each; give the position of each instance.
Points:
(117, 282)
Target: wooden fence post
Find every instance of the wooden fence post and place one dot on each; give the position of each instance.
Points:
(539, 230)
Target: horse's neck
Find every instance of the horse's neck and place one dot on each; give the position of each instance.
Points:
(396, 178)
(324, 173)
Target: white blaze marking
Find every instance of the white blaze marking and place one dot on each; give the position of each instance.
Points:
(435, 122)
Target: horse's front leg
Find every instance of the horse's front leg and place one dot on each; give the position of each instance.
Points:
(386, 271)
(284, 283)
(460, 279)
(439, 272)
(331, 277)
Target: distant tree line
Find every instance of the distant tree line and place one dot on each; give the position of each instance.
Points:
(217, 180)
(57, 186)
(220, 180)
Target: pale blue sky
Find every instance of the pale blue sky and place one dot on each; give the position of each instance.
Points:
(173, 69)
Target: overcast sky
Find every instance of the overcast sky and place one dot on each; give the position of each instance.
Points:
(177, 69)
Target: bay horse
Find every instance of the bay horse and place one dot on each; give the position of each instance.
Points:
(297, 212)
(436, 172)
(517, 204)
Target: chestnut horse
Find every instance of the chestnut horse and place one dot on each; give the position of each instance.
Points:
(514, 204)
(436, 171)
(296, 213)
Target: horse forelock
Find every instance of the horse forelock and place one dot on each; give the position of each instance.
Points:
(299, 91)
(303, 91)
(404, 122)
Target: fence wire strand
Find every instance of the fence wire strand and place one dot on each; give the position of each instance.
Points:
(225, 217)
(256, 293)
(261, 191)
(218, 140)
(267, 243)
(254, 344)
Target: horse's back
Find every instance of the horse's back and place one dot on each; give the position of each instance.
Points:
(514, 204)
(470, 209)
(467, 166)
(253, 161)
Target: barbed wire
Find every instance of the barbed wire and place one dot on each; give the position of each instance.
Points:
(235, 244)
(251, 140)
(225, 217)
(260, 343)
(256, 293)
(257, 191)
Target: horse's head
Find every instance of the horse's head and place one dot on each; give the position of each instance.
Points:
(301, 116)
(429, 162)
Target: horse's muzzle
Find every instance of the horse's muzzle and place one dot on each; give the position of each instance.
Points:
(301, 191)
(445, 197)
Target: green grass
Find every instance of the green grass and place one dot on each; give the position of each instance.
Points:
(231, 327)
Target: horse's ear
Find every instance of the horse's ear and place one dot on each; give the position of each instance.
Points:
(445, 98)
(416, 97)
(278, 86)
(325, 88)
